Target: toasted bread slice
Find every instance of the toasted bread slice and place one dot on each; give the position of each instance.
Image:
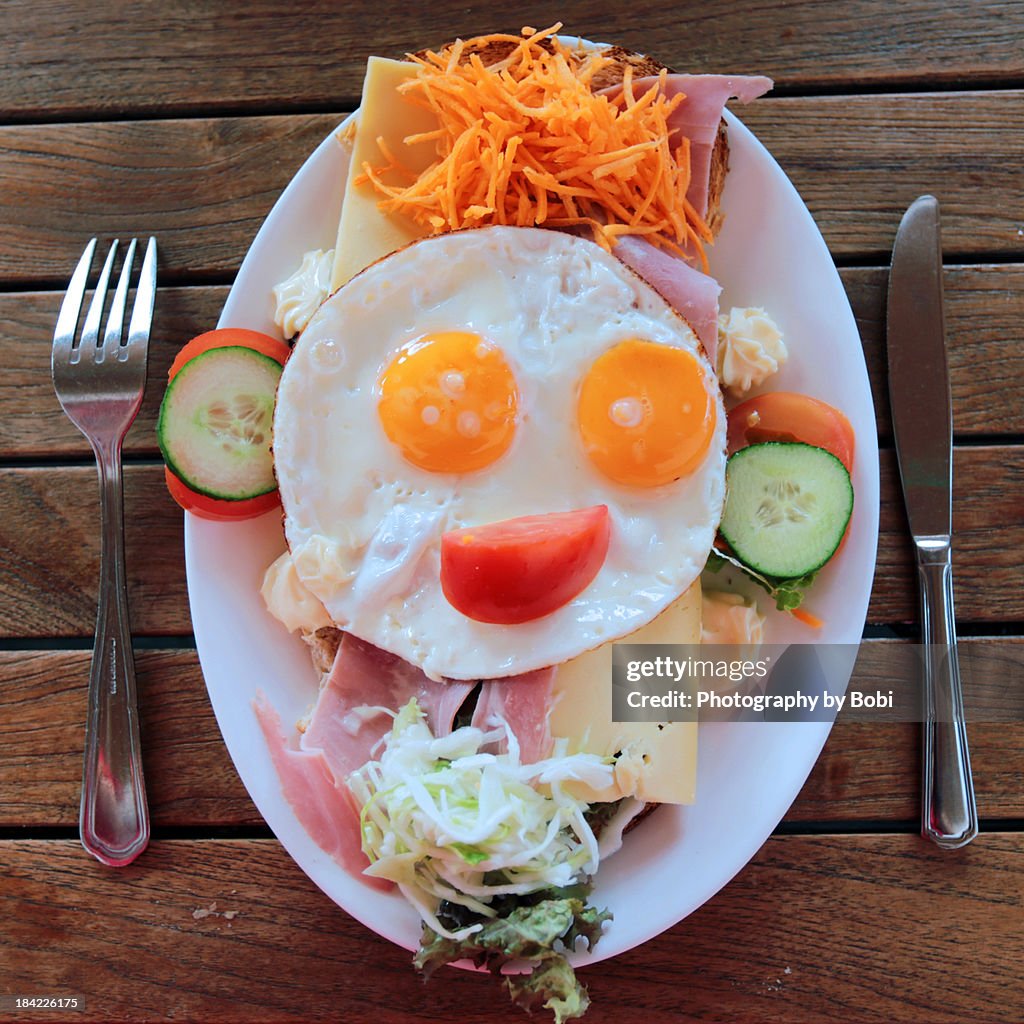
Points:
(325, 642)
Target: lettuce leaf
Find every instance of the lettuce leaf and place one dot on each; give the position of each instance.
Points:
(587, 924)
(553, 984)
(787, 594)
(598, 815)
(526, 933)
(541, 930)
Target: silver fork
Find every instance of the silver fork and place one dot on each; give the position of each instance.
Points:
(99, 382)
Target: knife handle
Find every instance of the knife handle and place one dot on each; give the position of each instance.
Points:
(949, 817)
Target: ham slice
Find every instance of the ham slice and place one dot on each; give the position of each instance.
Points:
(698, 116)
(364, 676)
(324, 808)
(692, 294)
(340, 739)
(524, 702)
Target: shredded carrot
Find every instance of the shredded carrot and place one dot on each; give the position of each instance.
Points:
(806, 618)
(527, 142)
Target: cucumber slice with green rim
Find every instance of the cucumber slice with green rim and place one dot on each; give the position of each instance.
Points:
(787, 507)
(215, 423)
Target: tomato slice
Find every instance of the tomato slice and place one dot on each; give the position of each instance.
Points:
(521, 569)
(216, 508)
(192, 501)
(225, 337)
(788, 416)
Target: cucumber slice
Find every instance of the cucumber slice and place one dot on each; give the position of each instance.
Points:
(215, 423)
(787, 507)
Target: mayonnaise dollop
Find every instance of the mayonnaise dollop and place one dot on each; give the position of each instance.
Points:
(288, 600)
(730, 619)
(302, 294)
(750, 348)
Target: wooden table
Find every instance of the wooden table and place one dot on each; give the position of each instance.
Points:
(171, 119)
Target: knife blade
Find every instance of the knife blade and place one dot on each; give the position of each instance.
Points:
(919, 397)
(918, 374)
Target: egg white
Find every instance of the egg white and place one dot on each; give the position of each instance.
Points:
(364, 525)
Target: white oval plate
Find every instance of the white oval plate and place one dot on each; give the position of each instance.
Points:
(769, 254)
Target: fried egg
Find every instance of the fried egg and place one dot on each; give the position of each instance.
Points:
(479, 376)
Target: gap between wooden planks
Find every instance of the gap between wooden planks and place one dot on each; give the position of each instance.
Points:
(882, 928)
(984, 318)
(204, 185)
(867, 771)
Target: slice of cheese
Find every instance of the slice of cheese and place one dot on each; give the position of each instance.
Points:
(365, 233)
(660, 759)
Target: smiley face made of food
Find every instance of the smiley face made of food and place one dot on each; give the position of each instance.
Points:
(479, 377)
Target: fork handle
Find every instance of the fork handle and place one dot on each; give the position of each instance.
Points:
(949, 817)
(114, 819)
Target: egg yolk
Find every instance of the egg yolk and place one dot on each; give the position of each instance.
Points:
(448, 401)
(646, 415)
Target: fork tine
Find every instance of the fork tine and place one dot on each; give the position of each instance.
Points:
(145, 296)
(71, 307)
(115, 319)
(91, 330)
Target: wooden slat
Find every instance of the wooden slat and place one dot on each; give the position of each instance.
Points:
(872, 772)
(33, 423)
(189, 777)
(49, 540)
(859, 161)
(204, 186)
(984, 312)
(49, 550)
(865, 928)
(867, 772)
(86, 59)
(985, 338)
(988, 527)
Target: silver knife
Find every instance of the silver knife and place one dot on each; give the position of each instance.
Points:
(923, 428)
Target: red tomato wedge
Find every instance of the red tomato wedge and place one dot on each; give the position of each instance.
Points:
(522, 569)
(215, 508)
(226, 337)
(787, 416)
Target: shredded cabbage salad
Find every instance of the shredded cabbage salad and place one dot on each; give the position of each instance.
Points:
(444, 818)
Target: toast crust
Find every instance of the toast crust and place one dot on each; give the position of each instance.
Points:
(323, 646)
